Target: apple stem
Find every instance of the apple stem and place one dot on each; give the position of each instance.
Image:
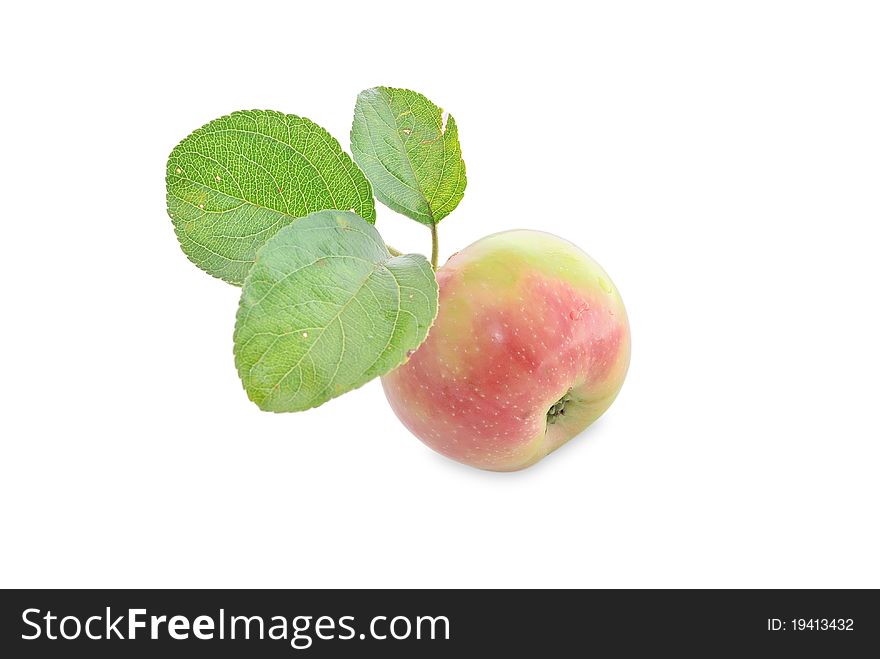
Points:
(434, 246)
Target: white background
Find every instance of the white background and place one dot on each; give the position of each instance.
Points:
(721, 160)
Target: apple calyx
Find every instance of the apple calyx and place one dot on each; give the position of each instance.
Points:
(558, 408)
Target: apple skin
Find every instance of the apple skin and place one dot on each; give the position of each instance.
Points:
(525, 319)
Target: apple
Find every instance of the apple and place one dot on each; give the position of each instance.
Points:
(530, 346)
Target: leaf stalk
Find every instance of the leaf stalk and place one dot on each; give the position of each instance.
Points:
(435, 249)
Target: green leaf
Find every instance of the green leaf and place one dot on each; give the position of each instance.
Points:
(237, 180)
(325, 309)
(412, 159)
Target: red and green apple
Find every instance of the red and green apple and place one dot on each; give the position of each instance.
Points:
(530, 346)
